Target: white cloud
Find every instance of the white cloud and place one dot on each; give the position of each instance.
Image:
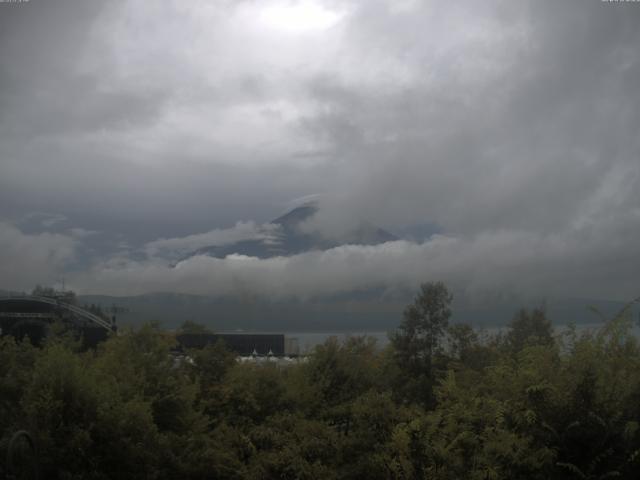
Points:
(30, 259)
(510, 125)
(509, 261)
(179, 246)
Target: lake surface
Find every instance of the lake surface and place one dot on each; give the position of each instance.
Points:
(308, 340)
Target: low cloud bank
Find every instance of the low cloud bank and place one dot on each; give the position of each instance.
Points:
(595, 256)
(28, 259)
(180, 246)
(578, 262)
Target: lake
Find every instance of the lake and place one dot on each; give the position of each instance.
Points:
(308, 340)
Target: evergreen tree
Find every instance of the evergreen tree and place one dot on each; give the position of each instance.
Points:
(418, 338)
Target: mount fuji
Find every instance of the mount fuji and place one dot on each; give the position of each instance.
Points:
(284, 236)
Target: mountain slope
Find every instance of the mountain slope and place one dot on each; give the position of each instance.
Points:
(289, 239)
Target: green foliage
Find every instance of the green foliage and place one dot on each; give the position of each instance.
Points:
(189, 326)
(529, 328)
(416, 342)
(341, 372)
(252, 393)
(526, 405)
(16, 366)
(292, 447)
(425, 322)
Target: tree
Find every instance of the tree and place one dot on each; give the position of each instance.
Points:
(462, 339)
(341, 372)
(529, 328)
(419, 335)
(189, 326)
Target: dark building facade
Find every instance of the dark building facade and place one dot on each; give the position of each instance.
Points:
(243, 344)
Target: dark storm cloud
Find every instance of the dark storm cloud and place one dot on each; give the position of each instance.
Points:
(32, 257)
(523, 140)
(47, 84)
(111, 122)
(509, 127)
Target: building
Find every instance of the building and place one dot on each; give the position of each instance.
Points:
(243, 344)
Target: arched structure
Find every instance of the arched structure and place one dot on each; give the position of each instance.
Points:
(33, 314)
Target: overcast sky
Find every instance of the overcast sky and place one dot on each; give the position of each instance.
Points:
(512, 128)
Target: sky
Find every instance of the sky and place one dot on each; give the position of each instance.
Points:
(499, 140)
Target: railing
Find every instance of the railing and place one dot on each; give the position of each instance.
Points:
(25, 315)
(72, 308)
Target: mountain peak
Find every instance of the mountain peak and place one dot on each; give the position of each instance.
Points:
(297, 215)
(291, 240)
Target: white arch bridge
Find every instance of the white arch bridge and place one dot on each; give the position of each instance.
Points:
(56, 305)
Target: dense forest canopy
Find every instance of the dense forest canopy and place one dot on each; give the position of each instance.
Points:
(440, 401)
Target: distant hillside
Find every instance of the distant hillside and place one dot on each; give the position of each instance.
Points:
(361, 311)
(358, 313)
